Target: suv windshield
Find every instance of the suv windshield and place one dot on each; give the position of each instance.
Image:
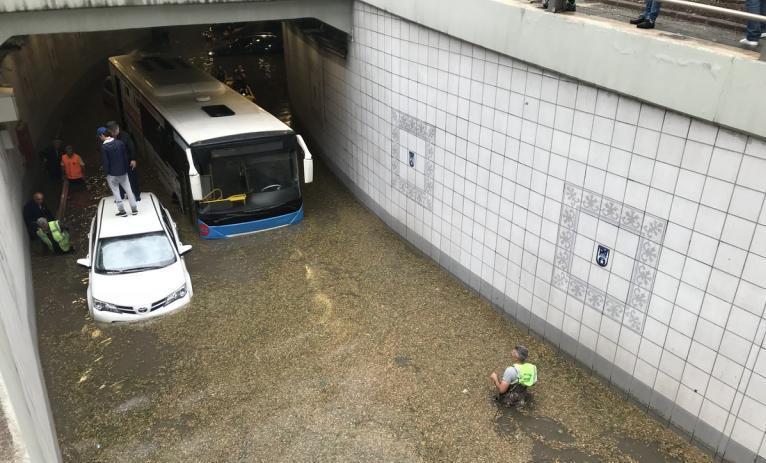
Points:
(134, 253)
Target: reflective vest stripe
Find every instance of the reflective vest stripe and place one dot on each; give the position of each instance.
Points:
(44, 238)
(527, 373)
(61, 237)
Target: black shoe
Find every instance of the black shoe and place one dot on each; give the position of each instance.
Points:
(121, 214)
(638, 20)
(545, 6)
(134, 212)
(646, 25)
(570, 7)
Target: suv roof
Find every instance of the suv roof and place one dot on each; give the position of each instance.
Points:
(147, 220)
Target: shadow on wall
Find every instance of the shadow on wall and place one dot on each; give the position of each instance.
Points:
(48, 70)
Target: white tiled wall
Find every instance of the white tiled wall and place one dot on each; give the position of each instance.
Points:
(519, 174)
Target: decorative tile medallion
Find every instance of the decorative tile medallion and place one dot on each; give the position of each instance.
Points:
(650, 232)
(415, 179)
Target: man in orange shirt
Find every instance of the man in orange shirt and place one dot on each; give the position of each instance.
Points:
(72, 165)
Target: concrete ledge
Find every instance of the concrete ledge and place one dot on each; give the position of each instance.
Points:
(710, 82)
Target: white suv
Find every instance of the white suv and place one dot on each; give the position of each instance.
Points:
(136, 263)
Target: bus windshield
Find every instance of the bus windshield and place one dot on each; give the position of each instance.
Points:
(254, 175)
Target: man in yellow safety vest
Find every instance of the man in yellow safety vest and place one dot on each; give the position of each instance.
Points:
(517, 378)
(54, 236)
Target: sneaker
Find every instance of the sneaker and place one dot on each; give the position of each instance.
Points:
(748, 43)
(134, 212)
(646, 25)
(121, 214)
(638, 20)
(763, 35)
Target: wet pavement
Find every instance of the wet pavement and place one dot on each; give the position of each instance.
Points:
(6, 440)
(330, 340)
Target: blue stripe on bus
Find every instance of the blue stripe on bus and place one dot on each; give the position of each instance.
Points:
(218, 232)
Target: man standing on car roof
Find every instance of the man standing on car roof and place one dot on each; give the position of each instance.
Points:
(119, 134)
(116, 162)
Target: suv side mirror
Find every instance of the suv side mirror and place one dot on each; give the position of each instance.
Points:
(184, 249)
(308, 162)
(85, 262)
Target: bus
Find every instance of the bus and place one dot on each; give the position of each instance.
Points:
(233, 167)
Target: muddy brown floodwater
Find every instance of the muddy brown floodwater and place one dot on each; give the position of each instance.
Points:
(331, 340)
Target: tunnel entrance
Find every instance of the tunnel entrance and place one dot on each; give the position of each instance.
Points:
(330, 340)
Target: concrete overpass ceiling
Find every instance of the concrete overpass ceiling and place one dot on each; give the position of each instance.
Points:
(50, 16)
(35, 5)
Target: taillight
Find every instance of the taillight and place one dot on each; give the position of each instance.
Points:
(204, 230)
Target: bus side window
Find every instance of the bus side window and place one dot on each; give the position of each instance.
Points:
(178, 159)
(153, 131)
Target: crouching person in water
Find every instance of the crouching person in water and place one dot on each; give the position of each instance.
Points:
(513, 388)
(54, 236)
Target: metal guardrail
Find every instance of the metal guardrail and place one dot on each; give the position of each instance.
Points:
(719, 10)
(724, 12)
(558, 5)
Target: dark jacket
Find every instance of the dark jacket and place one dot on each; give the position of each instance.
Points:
(115, 158)
(32, 212)
(128, 140)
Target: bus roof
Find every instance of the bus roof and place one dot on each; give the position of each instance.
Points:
(180, 92)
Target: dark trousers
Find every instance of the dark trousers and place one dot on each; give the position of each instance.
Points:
(77, 184)
(755, 28)
(133, 178)
(514, 395)
(651, 10)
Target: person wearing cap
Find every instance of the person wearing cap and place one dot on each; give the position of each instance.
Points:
(116, 162)
(517, 378)
(119, 134)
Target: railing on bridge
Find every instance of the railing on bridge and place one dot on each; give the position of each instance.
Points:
(558, 5)
(724, 12)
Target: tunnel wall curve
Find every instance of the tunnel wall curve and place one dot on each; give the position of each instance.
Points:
(45, 74)
(24, 400)
(510, 177)
(50, 69)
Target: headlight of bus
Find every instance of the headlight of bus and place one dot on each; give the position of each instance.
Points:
(102, 306)
(176, 295)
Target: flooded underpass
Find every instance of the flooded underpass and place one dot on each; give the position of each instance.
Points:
(331, 340)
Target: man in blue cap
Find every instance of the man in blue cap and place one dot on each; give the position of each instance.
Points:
(116, 161)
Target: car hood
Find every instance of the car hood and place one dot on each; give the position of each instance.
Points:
(140, 288)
